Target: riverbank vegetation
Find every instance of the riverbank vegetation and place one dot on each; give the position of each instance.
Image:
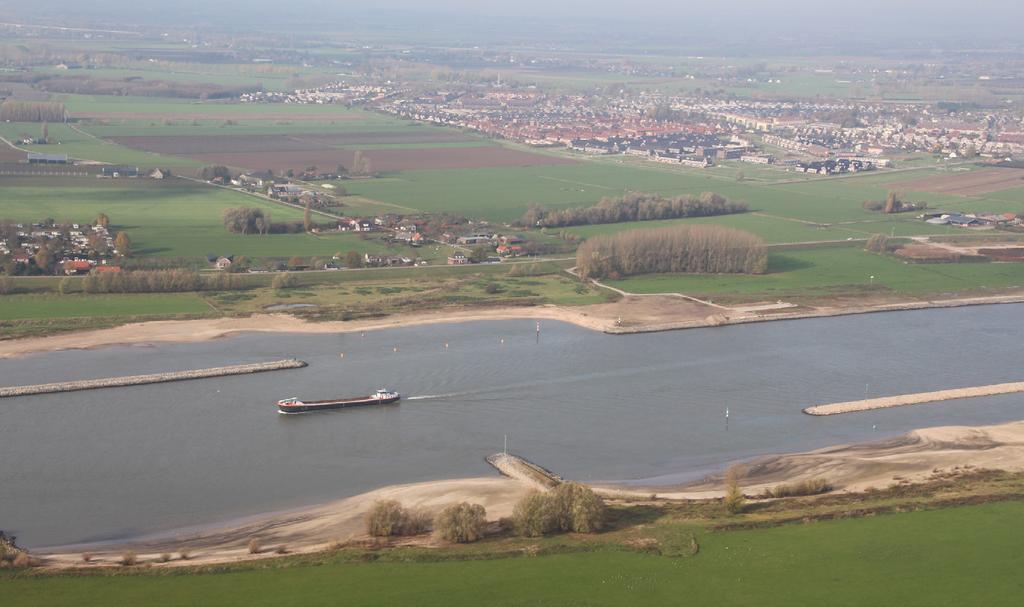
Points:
(650, 552)
(36, 306)
(681, 249)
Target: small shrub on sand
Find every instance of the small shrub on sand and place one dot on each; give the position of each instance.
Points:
(24, 561)
(282, 549)
(533, 515)
(462, 523)
(568, 507)
(578, 508)
(184, 555)
(165, 557)
(734, 499)
(385, 519)
(814, 486)
(255, 547)
(129, 558)
(86, 557)
(416, 522)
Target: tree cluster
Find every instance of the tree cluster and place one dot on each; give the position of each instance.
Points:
(636, 206)
(461, 523)
(388, 517)
(361, 165)
(12, 110)
(209, 173)
(893, 204)
(878, 243)
(246, 220)
(249, 220)
(158, 281)
(698, 249)
(570, 506)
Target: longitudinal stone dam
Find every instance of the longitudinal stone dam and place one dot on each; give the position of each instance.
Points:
(152, 378)
(914, 399)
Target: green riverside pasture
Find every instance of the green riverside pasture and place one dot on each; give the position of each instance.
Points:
(952, 557)
(816, 272)
(35, 307)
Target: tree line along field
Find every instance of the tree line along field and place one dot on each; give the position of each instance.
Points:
(167, 218)
(893, 559)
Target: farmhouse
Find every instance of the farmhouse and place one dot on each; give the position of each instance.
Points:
(457, 259)
(77, 266)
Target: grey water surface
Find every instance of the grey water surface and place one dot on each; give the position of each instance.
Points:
(648, 408)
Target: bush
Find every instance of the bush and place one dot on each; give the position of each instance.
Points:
(255, 547)
(533, 515)
(814, 486)
(386, 518)
(734, 499)
(184, 555)
(283, 281)
(878, 243)
(129, 558)
(462, 523)
(416, 522)
(23, 561)
(570, 506)
(165, 557)
(578, 508)
(86, 557)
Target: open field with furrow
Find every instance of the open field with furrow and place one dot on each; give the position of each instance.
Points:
(967, 183)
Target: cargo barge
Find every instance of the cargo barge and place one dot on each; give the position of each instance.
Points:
(294, 405)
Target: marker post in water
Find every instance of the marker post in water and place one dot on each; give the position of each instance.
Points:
(538, 331)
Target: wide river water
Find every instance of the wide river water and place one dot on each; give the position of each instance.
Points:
(105, 464)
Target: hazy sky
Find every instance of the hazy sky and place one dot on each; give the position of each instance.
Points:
(913, 18)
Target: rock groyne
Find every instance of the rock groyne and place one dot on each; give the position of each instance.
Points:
(914, 399)
(520, 469)
(152, 378)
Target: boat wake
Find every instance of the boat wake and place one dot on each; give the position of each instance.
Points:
(433, 396)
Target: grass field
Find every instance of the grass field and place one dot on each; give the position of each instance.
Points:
(65, 140)
(38, 307)
(167, 218)
(835, 271)
(954, 556)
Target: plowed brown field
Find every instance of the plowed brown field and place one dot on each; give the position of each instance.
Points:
(967, 183)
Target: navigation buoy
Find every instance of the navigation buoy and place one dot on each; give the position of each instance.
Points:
(342, 355)
(445, 345)
(396, 349)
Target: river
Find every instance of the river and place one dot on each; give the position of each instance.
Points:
(649, 408)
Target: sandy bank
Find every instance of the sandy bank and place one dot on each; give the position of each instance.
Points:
(303, 530)
(910, 457)
(631, 314)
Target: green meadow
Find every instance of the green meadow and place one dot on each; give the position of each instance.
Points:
(167, 218)
(966, 555)
(834, 271)
(40, 307)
